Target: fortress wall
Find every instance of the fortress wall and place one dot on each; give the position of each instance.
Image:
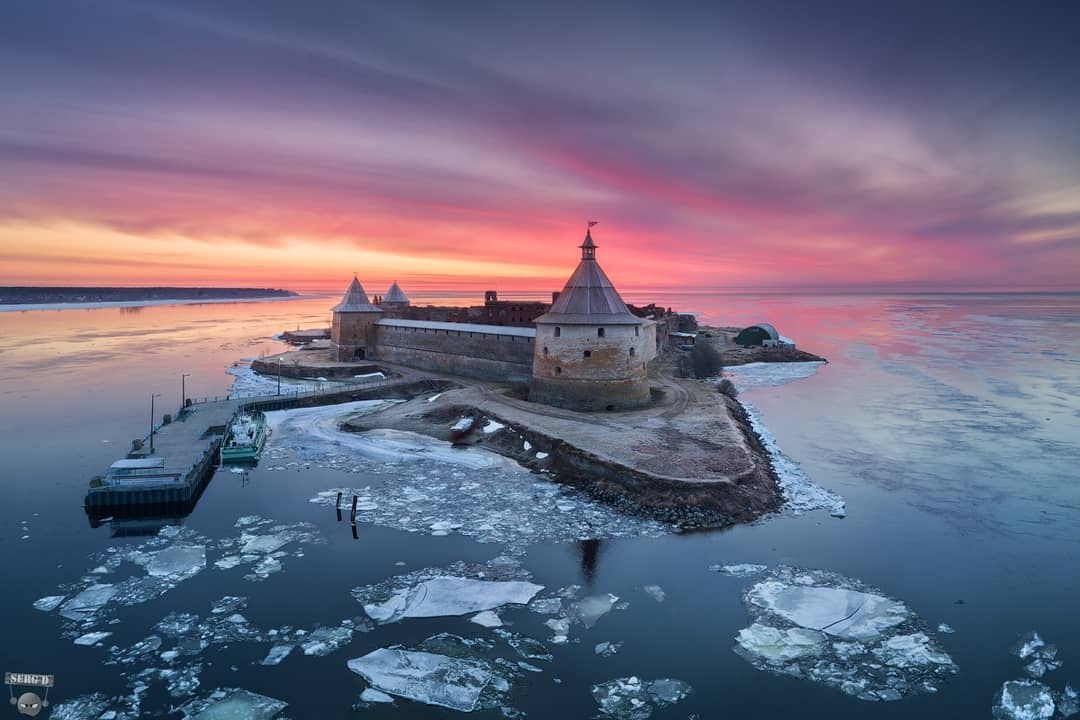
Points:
(488, 356)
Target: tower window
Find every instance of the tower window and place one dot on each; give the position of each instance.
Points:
(631, 352)
(558, 332)
(545, 352)
(637, 330)
(588, 353)
(599, 332)
(558, 371)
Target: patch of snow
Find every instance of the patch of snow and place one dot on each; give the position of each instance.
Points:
(493, 427)
(434, 397)
(541, 455)
(527, 446)
(945, 629)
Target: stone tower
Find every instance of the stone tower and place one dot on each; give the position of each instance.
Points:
(590, 350)
(394, 302)
(352, 335)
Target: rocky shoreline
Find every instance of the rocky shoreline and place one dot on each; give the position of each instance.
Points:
(689, 504)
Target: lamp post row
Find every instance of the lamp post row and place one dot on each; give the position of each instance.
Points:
(183, 402)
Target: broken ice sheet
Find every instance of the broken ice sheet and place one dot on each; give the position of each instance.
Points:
(590, 609)
(425, 677)
(840, 632)
(178, 562)
(739, 569)
(655, 592)
(234, 704)
(606, 649)
(49, 603)
(630, 698)
(487, 618)
(459, 589)
(504, 504)
(1024, 700)
(91, 638)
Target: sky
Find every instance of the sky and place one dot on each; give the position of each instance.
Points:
(460, 145)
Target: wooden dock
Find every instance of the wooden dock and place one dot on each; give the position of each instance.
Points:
(190, 445)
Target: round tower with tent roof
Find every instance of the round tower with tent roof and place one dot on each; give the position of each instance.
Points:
(591, 351)
(394, 302)
(353, 332)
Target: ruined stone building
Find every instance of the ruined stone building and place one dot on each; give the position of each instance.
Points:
(586, 352)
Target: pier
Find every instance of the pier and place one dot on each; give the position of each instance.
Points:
(186, 450)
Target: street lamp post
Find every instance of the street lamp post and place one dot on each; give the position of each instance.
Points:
(279, 375)
(183, 390)
(152, 396)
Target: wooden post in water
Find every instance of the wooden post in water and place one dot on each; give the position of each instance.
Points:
(337, 505)
(352, 515)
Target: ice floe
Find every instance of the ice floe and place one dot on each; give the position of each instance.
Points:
(427, 593)
(48, 603)
(487, 618)
(371, 695)
(425, 677)
(234, 704)
(91, 638)
(655, 592)
(1024, 700)
(840, 632)
(631, 698)
(762, 374)
(607, 648)
(445, 670)
(315, 434)
(739, 569)
(1029, 698)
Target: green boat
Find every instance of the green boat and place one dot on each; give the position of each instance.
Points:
(244, 438)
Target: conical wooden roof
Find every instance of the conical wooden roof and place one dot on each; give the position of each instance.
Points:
(355, 300)
(395, 295)
(588, 298)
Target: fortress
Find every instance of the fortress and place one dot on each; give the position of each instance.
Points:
(587, 352)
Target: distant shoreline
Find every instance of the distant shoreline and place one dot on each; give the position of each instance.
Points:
(27, 307)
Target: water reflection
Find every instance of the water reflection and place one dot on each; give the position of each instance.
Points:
(590, 556)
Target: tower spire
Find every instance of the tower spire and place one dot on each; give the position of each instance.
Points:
(588, 247)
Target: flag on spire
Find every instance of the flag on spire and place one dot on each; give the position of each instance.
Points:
(593, 222)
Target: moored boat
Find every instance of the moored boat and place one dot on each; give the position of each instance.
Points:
(244, 438)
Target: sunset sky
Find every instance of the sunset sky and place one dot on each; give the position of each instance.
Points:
(461, 145)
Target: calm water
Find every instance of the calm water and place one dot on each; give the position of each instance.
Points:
(950, 424)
